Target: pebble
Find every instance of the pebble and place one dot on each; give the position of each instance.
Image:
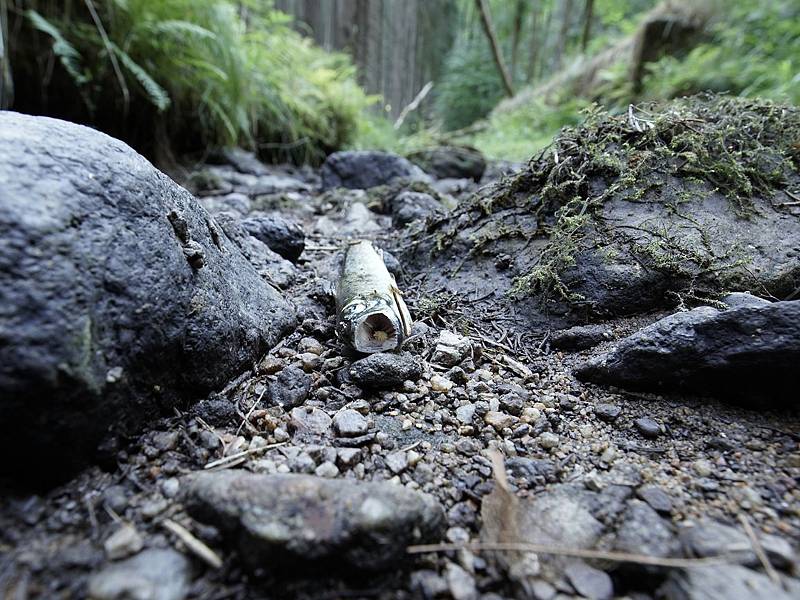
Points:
(702, 467)
(309, 344)
(350, 423)
(607, 412)
(124, 542)
(309, 421)
(327, 469)
(397, 462)
(548, 440)
(589, 582)
(451, 349)
(441, 384)
(648, 427)
(498, 420)
(465, 413)
(460, 583)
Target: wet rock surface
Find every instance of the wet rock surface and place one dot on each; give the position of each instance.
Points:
(751, 351)
(115, 282)
(580, 469)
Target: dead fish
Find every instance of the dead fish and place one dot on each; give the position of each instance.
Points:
(372, 316)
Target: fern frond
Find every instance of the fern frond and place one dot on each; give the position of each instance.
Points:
(155, 93)
(67, 54)
(181, 29)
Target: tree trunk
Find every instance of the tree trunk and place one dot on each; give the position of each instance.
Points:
(519, 16)
(561, 43)
(534, 44)
(588, 15)
(488, 29)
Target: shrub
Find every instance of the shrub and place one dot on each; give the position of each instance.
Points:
(192, 74)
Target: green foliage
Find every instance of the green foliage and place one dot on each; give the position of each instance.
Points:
(754, 51)
(202, 72)
(470, 86)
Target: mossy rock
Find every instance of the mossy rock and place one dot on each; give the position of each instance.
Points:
(662, 205)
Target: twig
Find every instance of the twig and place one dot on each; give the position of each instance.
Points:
(250, 412)
(192, 543)
(220, 462)
(759, 550)
(413, 105)
(641, 559)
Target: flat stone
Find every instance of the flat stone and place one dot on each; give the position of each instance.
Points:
(465, 413)
(154, 574)
(441, 384)
(498, 420)
(643, 531)
(580, 337)
(397, 462)
(300, 521)
(124, 542)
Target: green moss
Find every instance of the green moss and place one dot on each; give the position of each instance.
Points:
(690, 148)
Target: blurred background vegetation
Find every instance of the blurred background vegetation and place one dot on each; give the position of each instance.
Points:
(297, 79)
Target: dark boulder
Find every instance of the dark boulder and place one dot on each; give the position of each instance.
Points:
(280, 234)
(300, 522)
(120, 295)
(451, 162)
(361, 169)
(579, 337)
(753, 350)
(624, 215)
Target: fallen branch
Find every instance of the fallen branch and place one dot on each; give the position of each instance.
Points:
(641, 559)
(225, 460)
(413, 105)
(759, 550)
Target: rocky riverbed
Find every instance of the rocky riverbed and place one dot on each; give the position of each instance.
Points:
(180, 421)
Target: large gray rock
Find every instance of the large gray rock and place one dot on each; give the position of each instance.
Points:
(278, 521)
(361, 169)
(119, 295)
(754, 350)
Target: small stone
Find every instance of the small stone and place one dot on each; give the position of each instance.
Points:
(589, 582)
(498, 420)
(441, 384)
(383, 370)
(350, 423)
(327, 469)
(656, 498)
(309, 422)
(124, 542)
(460, 583)
(548, 440)
(607, 412)
(170, 487)
(291, 387)
(347, 457)
(648, 427)
(397, 462)
(281, 435)
(154, 574)
(309, 361)
(309, 344)
(465, 413)
(451, 349)
(702, 467)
